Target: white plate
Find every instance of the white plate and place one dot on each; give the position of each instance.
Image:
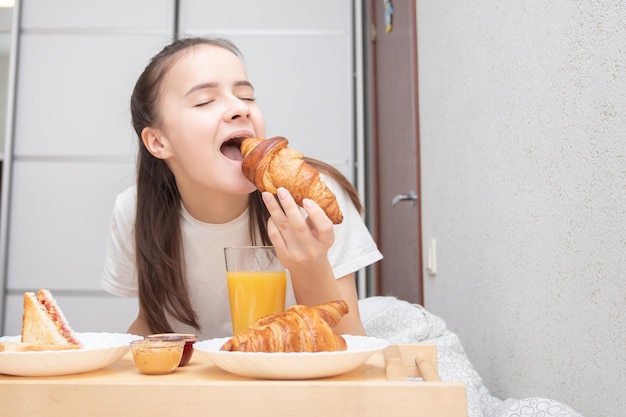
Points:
(292, 365)
(100, 350)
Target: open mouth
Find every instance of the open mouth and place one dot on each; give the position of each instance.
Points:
(232, 148)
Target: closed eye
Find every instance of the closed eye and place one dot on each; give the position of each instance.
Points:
(204, 103)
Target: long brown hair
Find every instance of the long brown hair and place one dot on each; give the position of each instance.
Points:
(158, 241)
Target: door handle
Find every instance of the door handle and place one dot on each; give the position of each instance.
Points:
(404, 197)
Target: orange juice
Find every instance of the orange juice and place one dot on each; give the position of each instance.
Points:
(254, 295)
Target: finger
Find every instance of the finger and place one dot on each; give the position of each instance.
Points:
(275, 237)
(289, 205)
(320, 225)
(296, 227)
(272, 205)
(278, 224)
(315, 211)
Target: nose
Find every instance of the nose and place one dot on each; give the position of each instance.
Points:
(237, 108)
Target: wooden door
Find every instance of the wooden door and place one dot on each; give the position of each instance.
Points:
(395, 149)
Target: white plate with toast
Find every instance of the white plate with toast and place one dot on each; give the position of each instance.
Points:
(293, 365)
(99, 350)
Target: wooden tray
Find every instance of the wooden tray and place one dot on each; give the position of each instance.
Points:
(378, 388)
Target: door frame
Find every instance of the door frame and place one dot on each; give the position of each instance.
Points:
(369, 35)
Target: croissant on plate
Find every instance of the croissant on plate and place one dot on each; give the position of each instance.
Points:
(298, 329)
(270, 164)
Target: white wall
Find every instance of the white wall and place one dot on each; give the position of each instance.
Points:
(72, 150)
(6, 16)
(523, 123)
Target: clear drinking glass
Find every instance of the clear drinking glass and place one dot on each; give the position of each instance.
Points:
(257, 284)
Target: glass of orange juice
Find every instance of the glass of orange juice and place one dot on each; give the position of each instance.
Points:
(257, 283)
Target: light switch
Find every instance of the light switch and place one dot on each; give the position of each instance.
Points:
(431, 259)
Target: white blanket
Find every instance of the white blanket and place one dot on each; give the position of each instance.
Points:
(401, 322)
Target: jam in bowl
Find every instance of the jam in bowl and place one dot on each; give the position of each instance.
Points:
(189, 340)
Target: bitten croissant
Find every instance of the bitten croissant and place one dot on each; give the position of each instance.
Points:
(270, 164)
(299, 329)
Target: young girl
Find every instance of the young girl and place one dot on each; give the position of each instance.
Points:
(191, 200)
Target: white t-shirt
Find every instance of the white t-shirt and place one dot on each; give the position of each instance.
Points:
(203, 248)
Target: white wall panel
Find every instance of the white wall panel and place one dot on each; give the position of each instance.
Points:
(153, 15)
(84, 312)
(73, 148)
(78, 103)
(60, 215)
(254, 15)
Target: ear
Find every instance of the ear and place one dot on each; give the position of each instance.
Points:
(155, 143)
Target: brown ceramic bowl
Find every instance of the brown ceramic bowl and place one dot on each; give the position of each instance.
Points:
(189, 340)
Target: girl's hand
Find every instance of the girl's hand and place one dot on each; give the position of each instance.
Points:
(302, 245)
(298, 240)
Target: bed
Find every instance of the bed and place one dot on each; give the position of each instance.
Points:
(402, 322)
